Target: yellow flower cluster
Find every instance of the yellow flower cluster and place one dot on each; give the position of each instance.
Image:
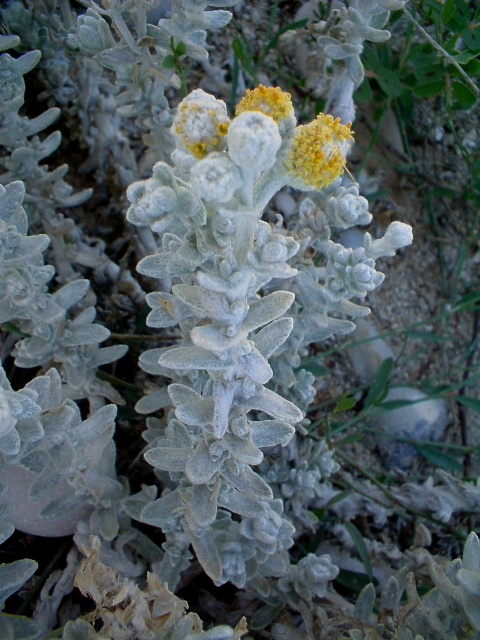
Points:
(318, 152)
(271, 101)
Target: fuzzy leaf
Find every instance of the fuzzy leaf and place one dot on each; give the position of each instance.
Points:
(256, 367)
(204, 502)
(270, 337)
(168, 458)
(13, 576)
(200, 468)
(207, 554)
(276, 406)
(190, 358)
(267, 309)
(163, 512)
(471, 553)
(249, 483)
(243, 450)
(270, 433)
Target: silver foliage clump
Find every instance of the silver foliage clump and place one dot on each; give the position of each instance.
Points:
(240, 471)
(333, 48)
(106, 67)
(224, 263)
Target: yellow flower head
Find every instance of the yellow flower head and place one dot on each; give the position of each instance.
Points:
(201, 124)
(271, 101)
(318, 152)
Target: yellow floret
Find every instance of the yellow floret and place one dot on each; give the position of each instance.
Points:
(318, 152)
(271, 101)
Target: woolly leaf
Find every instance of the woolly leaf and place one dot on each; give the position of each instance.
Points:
(168, 458)
(267, 309)
(274, 334)
(276, 406)
(269, 433)
(13, 576)
(189, 358)
(200, 467)
(207, 554)
(249, 483)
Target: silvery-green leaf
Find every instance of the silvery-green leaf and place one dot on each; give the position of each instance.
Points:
(471, 553)
(153, 401)
(207, 554)
(472, 610)
(267, 309)
(191, 206)
(41, 122)
(164, 512)
(233, 500)
(276, 406)
(71, 293)
(13, 627)
(13, 576)
(355, 70)
(167, 311)
(101, 423)
(390, 597)
(270, 337)
(8, 42)
(204, 301)
(10, 443)
(6, 528)
(211, 338)
(149, 362)
(107, 522)
(200, 468)
(256, 367)
(45, 484)
(48, 144)
(248, 482)
(470, 581)
(204, 505)
(243, 450)
(135, 503)
(62, 505)
(342, 51)
(217, 19)
(105, 355)
(83, 335)
(189, 358)
(78, 629)
(154, 266)
(11, 210)
(191, 408)
(365, 602)
(269, 433)
(223, 397)
(168, 458)
(27, 62)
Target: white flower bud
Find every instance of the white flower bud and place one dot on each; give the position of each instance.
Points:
(215, 178)
(253, 141)
(200, 124)
(399, 234)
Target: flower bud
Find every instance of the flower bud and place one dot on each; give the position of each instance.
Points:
(215, 178)
(253, 141)
(200, 124)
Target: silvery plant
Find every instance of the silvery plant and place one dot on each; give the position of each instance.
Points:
(112, 66)
(238, 468)
(329, 56)
(227, 267)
